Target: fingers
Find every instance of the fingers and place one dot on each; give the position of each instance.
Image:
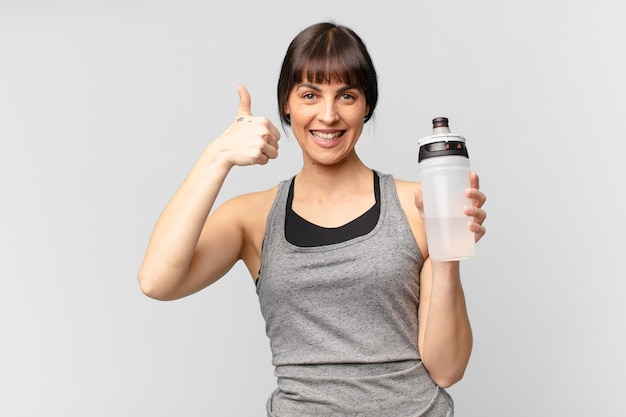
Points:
(478, 197)
(270, 149)
(244, 101)
(274, 133)
(476, 224)
(478, 229)
(474, 193)
(474, 180)
(271, 135)
(478, 215)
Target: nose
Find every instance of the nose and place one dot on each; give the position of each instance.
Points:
(328, 112)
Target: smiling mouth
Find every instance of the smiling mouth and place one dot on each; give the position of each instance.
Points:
(327, 136)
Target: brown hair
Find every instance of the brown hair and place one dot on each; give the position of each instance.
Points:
(327, 52)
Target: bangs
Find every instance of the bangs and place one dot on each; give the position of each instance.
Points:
(332, 58)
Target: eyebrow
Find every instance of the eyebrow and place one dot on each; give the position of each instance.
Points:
(317, 88)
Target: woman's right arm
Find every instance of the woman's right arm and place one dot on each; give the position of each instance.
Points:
(187, 251)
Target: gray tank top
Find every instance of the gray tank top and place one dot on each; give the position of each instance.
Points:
(342, 320)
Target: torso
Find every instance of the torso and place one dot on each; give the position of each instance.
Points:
(255, 220)
(338, 307)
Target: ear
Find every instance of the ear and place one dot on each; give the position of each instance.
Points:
(287, 113)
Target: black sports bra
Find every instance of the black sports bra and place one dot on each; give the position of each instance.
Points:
(303, 233)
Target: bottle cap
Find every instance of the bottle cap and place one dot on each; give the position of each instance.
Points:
(442, 142)
(446, 147)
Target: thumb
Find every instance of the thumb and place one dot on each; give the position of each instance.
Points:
(419, 200)
(244, 101)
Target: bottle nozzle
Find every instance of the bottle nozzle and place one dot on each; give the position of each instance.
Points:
(440, 125)
(440, 122)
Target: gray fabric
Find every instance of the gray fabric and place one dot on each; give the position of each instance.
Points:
(342, 321)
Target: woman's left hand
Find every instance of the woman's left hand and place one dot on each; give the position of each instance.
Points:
(475, 211)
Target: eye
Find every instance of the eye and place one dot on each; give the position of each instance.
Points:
(308, 96)
(347, 97)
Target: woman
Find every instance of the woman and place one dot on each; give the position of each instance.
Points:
(360, 320)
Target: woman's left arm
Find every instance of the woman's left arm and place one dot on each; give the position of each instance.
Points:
(445, 335)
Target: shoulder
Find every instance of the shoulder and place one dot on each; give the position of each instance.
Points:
(244, 215)
(406, 195)
(246, 207)
(401, 185)
(405, 191)
(264, 197)
(405, 186)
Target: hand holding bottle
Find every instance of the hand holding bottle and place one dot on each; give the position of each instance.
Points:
(476, 215)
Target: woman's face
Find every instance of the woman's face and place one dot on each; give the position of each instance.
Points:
(327, 119)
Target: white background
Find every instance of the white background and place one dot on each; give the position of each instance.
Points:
(104, 107)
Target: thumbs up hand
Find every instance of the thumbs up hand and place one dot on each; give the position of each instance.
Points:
(249, 139)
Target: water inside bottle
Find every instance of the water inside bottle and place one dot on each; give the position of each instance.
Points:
(449, 238)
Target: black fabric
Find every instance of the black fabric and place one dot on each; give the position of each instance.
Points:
(300, 232)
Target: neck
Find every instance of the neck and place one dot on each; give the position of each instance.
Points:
(346, 177)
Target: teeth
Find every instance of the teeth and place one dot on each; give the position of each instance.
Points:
(327, 136)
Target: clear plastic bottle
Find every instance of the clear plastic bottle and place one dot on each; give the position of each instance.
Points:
(444, 174)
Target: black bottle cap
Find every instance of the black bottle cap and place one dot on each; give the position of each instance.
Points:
(443, 148)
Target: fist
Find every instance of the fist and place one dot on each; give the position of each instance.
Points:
(250, 139)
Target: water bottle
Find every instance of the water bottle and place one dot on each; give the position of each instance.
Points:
(444, 173)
